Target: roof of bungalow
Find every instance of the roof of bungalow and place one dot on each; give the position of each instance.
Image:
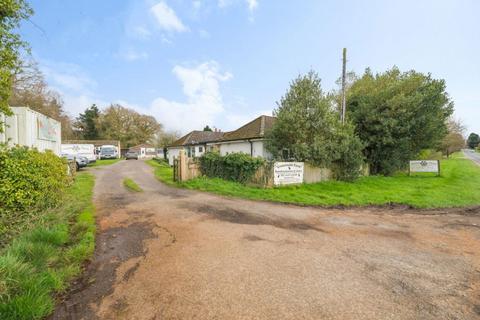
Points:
(254, 129)
(198, 137)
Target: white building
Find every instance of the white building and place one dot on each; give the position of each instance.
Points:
(194, 144)
(145, 151)
(249, 139)
(26, 127)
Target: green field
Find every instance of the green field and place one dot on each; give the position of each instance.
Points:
(43, 261)
(104, 162)
(131, 185)
(458, 186)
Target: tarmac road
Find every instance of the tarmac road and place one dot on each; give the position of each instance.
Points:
(472, 155)
(168, 253)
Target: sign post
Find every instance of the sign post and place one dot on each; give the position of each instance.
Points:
(424, 166)
(287, 173)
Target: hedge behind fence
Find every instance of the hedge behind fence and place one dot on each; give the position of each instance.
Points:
(238, 167)
(30, 182)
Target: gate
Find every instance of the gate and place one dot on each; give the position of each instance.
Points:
(176, 171)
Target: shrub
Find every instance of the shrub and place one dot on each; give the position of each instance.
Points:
(30, 182)
(238, 167)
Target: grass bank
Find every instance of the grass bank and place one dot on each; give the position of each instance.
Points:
(131, 185)
(162, 171)
(104, 162)
(42, 261)
(458, 186)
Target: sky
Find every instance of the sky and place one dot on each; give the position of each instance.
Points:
(223, 62)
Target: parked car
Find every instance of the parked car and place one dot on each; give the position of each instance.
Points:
(131, 155)
(108, 152)
(81, 161)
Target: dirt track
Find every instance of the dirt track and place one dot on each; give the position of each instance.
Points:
(175, 254)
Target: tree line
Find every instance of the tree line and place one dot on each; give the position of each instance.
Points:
(391, 117)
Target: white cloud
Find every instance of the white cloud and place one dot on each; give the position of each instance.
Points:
(66, 75)
(132, 55)
(72, 83)
(166, 18)
(252, 5)
(201, 87)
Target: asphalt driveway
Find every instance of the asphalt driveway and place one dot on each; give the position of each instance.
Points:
(168, 253)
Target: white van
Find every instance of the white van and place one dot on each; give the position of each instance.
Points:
(85, 150)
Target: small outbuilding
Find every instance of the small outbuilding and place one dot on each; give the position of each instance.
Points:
(144, 151)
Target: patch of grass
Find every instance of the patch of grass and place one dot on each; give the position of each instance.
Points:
(104, 162)
(131, 185)
(42, 261)
(163, 171)
(458, 186)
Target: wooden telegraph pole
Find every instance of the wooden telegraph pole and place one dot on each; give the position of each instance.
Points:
(344, 71)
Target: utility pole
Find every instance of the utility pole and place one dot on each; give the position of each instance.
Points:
(344, 71)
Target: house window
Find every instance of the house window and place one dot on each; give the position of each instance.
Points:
(189, 152)
(200, 149)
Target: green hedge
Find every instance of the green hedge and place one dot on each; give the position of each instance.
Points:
(238, 167)
(30, 182)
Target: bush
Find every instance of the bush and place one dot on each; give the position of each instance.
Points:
(238, 167)
(30, 182)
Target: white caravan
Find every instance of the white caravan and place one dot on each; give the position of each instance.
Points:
(84, 150)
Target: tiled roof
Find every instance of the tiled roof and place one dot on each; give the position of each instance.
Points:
(254, 129)
(196, 137)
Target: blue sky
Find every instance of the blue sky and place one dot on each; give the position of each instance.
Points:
(223, 62)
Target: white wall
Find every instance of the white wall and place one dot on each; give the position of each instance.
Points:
(235, 146)
(172, 154)
(256, 149)
(22, 129)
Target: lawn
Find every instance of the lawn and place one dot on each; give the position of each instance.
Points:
(104, 162)
(458, 186)
(131, 185)
(42, 261)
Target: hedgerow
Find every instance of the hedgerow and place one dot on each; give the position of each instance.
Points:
(238, 167)
(30, 183)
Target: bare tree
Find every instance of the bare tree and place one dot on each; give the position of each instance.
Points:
(29, 89)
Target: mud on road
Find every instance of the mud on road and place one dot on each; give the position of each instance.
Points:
(168, 253)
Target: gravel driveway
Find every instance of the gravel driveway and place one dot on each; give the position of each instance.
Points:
(169, 253)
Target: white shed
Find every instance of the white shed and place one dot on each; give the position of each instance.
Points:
(30, 128)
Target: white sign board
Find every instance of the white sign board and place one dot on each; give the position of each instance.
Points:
(287, 173)
(425, 166)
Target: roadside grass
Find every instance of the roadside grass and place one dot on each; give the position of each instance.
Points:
(104, 162)
(131, 185)
(163, 172)
(458, 186)
(42, 261)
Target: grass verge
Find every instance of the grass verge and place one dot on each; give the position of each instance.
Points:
(42, 261)
(457, 186)
(131, 185)
(104, 162)
(162, 171)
